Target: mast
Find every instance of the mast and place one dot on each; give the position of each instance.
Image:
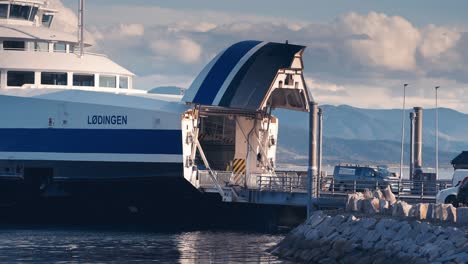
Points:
(81, 26)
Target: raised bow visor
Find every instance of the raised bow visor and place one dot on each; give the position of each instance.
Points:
(253, 75)
(229, 133)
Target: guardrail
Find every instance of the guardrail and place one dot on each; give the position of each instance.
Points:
(328, 185)
(223, 177)
(296, 182)
(76, 52)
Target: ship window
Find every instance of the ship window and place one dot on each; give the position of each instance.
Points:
(41, 46)
(83, 80)
(33, 14)
(47, 20)
(20, 78)
(123, 82)
(72, 48)
(3, 10)
(107, 81)
(13, 45)
(54, 78)
(60, 47)
(21, 12)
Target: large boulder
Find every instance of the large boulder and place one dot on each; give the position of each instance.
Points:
(462, 215)
(370, 206)
(315, 219)
(431, 212)
(389, 196)
(419, 211)
(378, 194)
(383, 206)
(401, 209)
(352, 202)
(451, 213)
(440, 212)
(368, 194)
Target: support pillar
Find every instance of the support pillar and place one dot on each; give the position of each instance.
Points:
(320, 148)
(411, 168)
(312, 165)
(418, 140)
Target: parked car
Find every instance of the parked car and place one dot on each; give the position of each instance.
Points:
(358, 177)
(462, 195)
(449, 195)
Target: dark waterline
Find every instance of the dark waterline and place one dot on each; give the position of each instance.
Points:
(39, 244)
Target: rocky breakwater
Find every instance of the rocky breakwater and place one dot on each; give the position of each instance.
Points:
(376, 228)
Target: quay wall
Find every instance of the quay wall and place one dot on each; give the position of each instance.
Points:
(378, 233)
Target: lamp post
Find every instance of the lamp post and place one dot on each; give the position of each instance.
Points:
(403, 131)
(437, 131)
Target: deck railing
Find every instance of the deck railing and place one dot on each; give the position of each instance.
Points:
(223, 177)
(296, 182)
(328, 185)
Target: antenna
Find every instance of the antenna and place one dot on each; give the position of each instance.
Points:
(81, 26)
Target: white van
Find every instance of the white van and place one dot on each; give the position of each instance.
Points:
(449, 196)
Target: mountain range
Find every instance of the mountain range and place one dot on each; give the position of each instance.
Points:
(372, 136)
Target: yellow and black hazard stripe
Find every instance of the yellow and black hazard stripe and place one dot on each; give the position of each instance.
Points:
(238, 170)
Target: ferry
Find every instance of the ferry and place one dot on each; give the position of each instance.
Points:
(73, 126)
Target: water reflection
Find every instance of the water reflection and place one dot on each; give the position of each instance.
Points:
(222, 247)
(20, 245)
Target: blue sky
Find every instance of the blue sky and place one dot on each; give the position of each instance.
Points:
(359, 52)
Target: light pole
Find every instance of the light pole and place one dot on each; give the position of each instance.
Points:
(437, 131)
(403, 131)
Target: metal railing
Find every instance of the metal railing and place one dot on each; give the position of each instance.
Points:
(223, 177)
(327, 185)
(296, 182)
(290, 182)
(75, 52)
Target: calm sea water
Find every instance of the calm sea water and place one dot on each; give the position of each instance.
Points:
(46, 245)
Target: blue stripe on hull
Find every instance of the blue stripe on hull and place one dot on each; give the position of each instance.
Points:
(123, 141)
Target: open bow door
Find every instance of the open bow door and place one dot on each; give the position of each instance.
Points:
(253, 75)
(230, 136)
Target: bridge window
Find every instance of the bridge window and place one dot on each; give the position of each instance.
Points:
(13, 45)
(47, 20)
(41, 46)
(60, 47)
(33, 13)
(3, 11)
(20, 12)
(83, 80)
(20, 78)
(123, 84)
(54, 78)
(107, 81)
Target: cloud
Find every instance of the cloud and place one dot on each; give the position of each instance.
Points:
(132, 30)
(191, 27)
(357, 59)
(184, 50)
(67, 20)
(437, 40)
(392, 41)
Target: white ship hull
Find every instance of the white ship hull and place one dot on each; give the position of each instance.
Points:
(89, 135)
